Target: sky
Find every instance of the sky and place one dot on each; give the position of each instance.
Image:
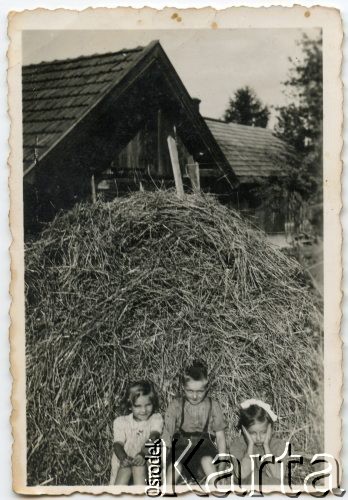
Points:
(212, 64)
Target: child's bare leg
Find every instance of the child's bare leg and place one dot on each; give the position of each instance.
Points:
(139, 474)
(123, 475)
(208, 468)
(115, 465)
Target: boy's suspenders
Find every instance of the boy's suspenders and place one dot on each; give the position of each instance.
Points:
(206, 426)
(182, 414)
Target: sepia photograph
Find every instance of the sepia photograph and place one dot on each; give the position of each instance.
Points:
(173, 256)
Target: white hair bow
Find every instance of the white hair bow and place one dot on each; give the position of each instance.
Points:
(248, 402)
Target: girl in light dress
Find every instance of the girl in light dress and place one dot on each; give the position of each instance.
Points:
(132, 431)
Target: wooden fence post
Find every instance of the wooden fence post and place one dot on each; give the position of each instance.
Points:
(94, 194)
(193, 172)
(174, 158)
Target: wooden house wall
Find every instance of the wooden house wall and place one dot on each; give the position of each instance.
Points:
(144, 163)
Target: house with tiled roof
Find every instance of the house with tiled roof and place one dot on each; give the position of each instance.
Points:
(99, 126)
(253, 152)
(257, 156)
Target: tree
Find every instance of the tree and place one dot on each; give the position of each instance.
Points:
(300, 125)
(300, 122)
(245, 108)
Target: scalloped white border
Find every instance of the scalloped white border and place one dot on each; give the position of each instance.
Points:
(329, 274)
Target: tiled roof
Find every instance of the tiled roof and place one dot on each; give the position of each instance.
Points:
(57, 94)
(251, 151)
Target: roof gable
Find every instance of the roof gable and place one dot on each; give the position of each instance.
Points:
(57, 95)
(251, 151)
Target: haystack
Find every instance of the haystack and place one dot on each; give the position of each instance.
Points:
(137, 288)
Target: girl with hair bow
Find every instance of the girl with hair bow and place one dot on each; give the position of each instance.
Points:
(256, 420)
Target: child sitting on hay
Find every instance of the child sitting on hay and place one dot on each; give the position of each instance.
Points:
(132, 431)
(194, 416)
(255, 424)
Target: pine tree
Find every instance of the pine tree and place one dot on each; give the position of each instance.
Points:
(245, 108)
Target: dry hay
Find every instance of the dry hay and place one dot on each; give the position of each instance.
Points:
(138, 287)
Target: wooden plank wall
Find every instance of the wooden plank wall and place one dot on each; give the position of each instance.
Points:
(145, 161)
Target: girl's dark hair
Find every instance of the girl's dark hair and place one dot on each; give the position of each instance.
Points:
(196, 371)
(252, 415)
(136, 389)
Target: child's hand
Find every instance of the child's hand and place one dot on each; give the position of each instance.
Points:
(248, 438)
(268, 437)
(138, 460)
(126, 461)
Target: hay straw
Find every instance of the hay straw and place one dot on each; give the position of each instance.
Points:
(137, 288)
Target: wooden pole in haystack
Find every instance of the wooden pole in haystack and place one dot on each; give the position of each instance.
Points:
(193, 172)
(94, 194)
(174, 158)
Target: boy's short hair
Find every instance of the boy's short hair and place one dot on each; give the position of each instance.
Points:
(136, 389)
(196, 371)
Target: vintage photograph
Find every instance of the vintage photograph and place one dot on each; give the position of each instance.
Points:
(173, 249)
